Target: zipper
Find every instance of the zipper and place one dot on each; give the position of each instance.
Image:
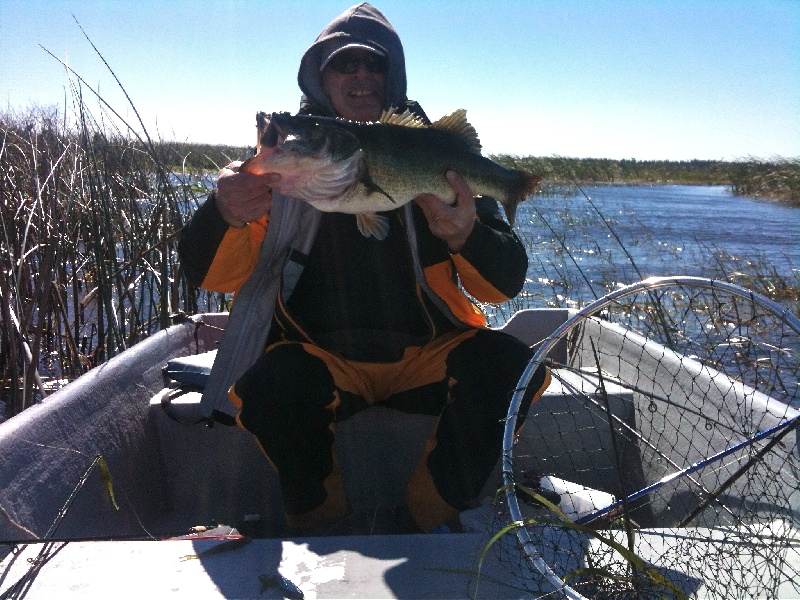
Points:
(288, 324)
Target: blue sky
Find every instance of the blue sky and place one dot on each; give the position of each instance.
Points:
(657, 79)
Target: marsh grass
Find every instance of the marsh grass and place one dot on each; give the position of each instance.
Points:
(90, 214)
(777, 179)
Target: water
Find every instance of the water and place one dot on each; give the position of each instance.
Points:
(662, 230)
(680, 216)
(581, 248)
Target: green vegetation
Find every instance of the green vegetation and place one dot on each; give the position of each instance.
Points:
(777, 179)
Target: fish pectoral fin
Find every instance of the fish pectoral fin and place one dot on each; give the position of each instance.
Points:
(373, 225)
(333, 179)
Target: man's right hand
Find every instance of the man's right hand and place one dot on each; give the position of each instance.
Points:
(242, 197)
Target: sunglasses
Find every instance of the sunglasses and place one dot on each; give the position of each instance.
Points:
(348, 63)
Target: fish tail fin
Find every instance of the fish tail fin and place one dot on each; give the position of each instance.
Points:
(521, 187)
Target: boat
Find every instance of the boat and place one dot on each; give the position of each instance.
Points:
(663, 453)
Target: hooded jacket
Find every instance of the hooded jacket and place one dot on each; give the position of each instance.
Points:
(263, 262)
(363, 24)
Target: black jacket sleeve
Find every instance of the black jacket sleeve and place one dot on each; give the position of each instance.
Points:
(495, 251)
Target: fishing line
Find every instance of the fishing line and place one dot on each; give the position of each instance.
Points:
(661, 313)
(565, 248)
(608, 225)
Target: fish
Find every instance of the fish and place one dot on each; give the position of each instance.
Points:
(285, 586)
(226, 546)
(359, 168)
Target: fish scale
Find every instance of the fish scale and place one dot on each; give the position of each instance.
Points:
(365, 168)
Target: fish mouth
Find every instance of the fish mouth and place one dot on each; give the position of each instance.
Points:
(272, 134)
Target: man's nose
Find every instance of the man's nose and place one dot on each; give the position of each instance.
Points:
(362, 71)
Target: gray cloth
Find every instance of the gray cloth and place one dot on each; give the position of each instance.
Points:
(292, 224)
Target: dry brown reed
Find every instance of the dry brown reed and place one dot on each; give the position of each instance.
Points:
(89, 218)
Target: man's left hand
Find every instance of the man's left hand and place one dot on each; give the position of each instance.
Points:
(451, 222)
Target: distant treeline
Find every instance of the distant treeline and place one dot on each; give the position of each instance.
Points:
(778, 178)
(198, 157)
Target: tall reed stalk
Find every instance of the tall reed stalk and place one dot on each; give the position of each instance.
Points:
(89, 220)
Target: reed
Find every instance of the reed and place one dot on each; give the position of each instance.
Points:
(90, 213)
(778, 179)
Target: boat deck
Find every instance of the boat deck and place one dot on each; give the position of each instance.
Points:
(380, 566)
(402, 566)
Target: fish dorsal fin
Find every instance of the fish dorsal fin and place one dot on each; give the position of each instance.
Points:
(457, 123)
(404, 119)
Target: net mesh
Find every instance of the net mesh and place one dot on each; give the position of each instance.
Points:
(662, 462)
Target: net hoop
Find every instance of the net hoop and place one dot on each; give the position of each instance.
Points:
(527, 544)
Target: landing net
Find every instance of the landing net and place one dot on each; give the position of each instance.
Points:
(663, 461)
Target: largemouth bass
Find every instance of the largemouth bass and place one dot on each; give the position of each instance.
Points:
(365, 168)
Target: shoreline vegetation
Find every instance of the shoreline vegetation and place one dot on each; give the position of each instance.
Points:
(774, 179)
(91, 211)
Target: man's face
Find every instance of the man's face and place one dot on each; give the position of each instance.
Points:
(355, 81)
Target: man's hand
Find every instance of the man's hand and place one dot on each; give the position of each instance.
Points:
(242, 197)
(452, 222)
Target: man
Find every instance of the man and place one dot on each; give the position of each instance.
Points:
(356, 321)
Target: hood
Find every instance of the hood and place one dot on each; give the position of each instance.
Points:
(363, 24)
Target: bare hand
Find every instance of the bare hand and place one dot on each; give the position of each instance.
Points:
(452, 222)
(242, 197)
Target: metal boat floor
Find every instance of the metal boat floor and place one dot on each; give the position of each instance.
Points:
(402, 566)
(378, 566)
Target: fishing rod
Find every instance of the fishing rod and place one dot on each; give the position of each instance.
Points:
(788, 425)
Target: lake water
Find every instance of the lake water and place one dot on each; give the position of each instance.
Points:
(581, 247)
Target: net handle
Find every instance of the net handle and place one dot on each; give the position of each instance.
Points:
(789, 423)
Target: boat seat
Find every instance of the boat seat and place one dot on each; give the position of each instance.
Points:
(227, 480)
(534, 325)
(192, 370)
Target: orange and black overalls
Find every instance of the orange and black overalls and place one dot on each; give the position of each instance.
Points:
(377, 322)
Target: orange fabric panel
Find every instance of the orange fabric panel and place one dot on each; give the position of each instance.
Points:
(236, 257)
(439, 277)
(375, 382)
(475, 284)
